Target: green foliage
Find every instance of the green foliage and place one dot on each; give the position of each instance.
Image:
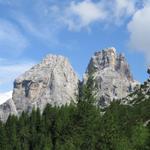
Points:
(140, 136)
(80, 127)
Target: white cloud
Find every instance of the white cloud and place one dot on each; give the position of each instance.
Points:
(46, 19)
(122, 9)
(9, 71)
(11, 39)
(79, 15)
(140, 31)
(82, 14)
(5, 96)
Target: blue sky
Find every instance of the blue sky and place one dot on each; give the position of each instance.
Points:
(30, 29)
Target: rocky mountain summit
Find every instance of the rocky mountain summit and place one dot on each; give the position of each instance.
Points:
(54, 81)
(112, 76)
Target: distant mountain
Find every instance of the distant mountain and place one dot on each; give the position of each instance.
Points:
(112, 76)
(53, 81)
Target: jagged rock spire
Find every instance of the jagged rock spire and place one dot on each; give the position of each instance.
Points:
(113, 79)
(108, 58)
(54, 81)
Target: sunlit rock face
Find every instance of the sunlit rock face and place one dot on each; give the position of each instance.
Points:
(6, 109)
(112, 76)
(52, 81)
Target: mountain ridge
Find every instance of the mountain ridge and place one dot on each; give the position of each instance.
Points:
(54, 81)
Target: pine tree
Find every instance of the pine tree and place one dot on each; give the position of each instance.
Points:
(88, 116)
(11, 131)
(3, 137)
(140, 137)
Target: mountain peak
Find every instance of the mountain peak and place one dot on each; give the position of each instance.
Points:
(55, 58)
(106, 50)
(108, 58)
(112, 76)
(54, 81)
(51, 81)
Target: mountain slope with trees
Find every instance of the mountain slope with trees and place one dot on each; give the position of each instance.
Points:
(81, 126)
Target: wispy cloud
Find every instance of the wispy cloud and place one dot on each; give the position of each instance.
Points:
(83, 14)
(45, 20)
(140, 31)
(40, 24)
(29, 26)
(11, 39)
(79, 15)
(121, 9)
(11, 70)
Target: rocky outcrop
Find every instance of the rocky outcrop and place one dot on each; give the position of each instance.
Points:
(112, 76)
(6, 109)
(52, 81)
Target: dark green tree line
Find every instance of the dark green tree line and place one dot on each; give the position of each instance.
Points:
(79, 126)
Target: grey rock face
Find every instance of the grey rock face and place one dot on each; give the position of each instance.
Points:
(52, 81)
(112, 76)
(6, 109)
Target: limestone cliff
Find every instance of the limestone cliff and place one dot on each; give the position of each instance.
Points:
(112, 76)
(52, 81)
